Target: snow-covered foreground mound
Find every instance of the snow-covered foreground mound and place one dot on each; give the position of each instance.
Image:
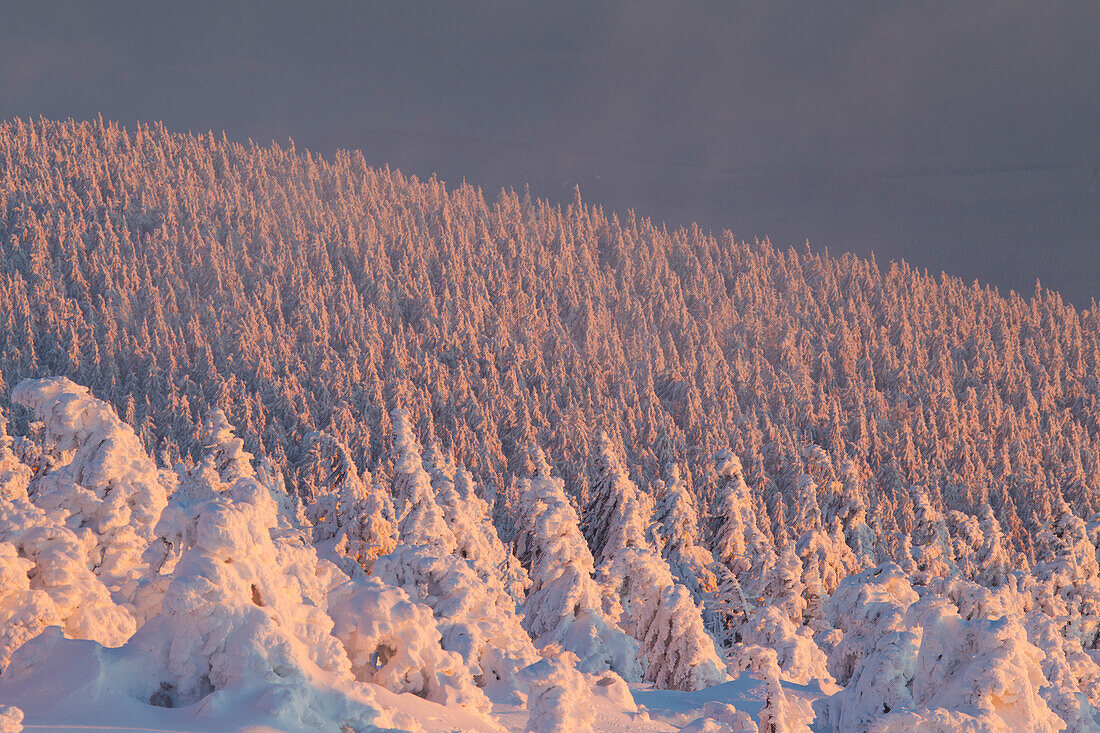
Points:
(205, 597)
(87, 688)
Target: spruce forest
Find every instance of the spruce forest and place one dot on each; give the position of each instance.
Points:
(305, 438)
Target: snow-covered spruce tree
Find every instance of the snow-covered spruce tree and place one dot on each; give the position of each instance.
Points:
(677, 515)
(100, 478)
(1065, 583)
(826, 560)
(679, 653)
(744, 556)
(45, 581)
(778, 714)
(783, 588)
(230, 551)
(220, 467)
(564, 605)
(875, 661)
(420, 519)
(799, 658)
(737, 541)
(60, 551)
(611, 486)
(330, 482)
(1072, 673)
(964, 535)
(15, 476)
(477, 620)
(728, 607)
(931, 542)
(470, 518)
(224, 454)
(984, 671)
(24, 611)
(806, 514)
(992, 562)
(224, 449)
(848, 504)
(175, 532)
(352, 520)
(675, 649)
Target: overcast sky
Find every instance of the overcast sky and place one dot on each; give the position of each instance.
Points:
(961, 136)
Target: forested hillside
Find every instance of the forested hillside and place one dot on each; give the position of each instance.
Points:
(809, 463)
(174, 273)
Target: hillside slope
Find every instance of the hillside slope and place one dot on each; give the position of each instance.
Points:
(174, 273)
(501, 457)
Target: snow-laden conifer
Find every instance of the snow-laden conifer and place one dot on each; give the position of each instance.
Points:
(677, 515)
(346, 510)
(100, 477)
(611, 487)
(478, 620)
(564, 604)
(778, 714)
(799, 658)
(738, 543)
(675, 649)
(420, 519)
(470, 518)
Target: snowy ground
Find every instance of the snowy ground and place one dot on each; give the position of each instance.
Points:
(676, 709)
(78, 698)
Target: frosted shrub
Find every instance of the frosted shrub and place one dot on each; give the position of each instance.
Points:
(559, 698)
(11, 719)
(799, 658)
(394, 642)
(719, 717)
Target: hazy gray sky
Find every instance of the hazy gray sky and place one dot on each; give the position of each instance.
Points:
(962, 136)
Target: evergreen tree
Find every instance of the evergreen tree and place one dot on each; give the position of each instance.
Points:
(564, 605)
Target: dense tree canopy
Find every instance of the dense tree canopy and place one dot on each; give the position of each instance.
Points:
(177, 273)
